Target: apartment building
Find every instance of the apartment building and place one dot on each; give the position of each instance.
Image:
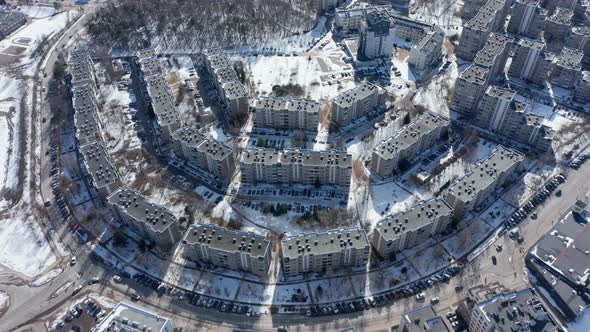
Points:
(568, 68)
(324, 252)
(154, 222)
(582, 88)
(209, 155)
(559, 24)
(500, 113)
(162, 103)
(471, 8)
(429, 49)
(469, 87)
(355, 103)
(489, 18)
(411, 227)
(350, 20)
(377, 36)
(412, 139)
(296, 166)
(552, 5)
(531, 62)
(160, 96)
(234, 250)
(286, 113)
(475, 187)
(232, 93)
(579, 38)
(494, 54)
(527, 18)
(325, 5)
(10, 21)
(86, 120)
(131, 318)
(81, 70)
(105, 177)
(423, 319)
(514, 311)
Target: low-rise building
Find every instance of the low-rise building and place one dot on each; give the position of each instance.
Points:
(154, 222)
(531, 62)
(489, 18)
(412, 139)
(286, 113)
(568, 68)
(105, 177)
(130, 318)
(423, 319)
(476, 186)
(10, 21)
(208, 154)
(559, 263)
(355, 103)
(515, 311)
(527, 18)
(582, 88)
(323, 252)
(558, 25)
(469, 88)
(494, 54)
(411, 227)
(500, 113)
(235, 250)
(377, 36)
(296, 166)
(429, 49)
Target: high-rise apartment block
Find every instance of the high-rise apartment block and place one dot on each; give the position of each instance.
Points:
(230, 89)
(531, 62)
(355, 103)
(527, 18)
(489, 18)
(568, 68)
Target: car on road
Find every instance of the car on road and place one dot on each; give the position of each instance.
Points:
(116, 278)
(73, 261)
(435, 300)
(94, 280)
(77, 290)
(420, 296)
(135, 297)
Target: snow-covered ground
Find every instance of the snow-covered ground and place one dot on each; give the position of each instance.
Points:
(47, 277)
(4, 301)
(23, 246)
(37, 11)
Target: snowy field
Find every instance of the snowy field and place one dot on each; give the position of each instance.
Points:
(23, 246)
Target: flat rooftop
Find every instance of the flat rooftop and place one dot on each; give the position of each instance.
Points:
(531, 43)
(500, 92)
(226, 240)
(418, 216)
(517, 311)
(570, 58)
(99, 164)
(566, 247)
(424, 319)
(189, 136)
(162, 101)
(136, 206)
(332, 241)
(485, 173)
(562, 16)
(215, 149)
(288, 104)
(493, 48)
(261, 156)
(482, 21)
(475, 74)
(85, 112)
(360, 92)
(234, 90)
(295, 156)
(409, 135)
(129, 318)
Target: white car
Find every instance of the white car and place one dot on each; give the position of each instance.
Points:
(435, 300)
(116, 278)
(73, 260)
(420, 296)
